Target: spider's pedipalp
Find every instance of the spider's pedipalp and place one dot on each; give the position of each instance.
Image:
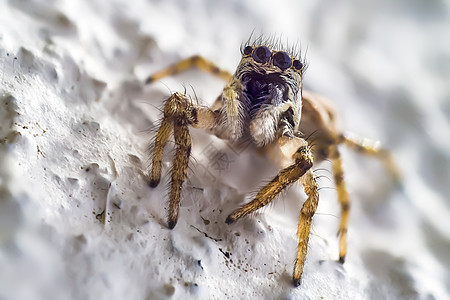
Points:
(263, 127)
(233, 112)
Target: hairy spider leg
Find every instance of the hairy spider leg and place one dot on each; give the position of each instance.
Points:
(364, 146)
(308, 210)
(162, 137)
(371, 148)
(178, 114)
(195, 61)
(287, 176)
(180, 164)
(299, 170)
(343, 199)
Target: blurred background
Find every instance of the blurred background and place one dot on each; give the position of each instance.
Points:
(385, 65)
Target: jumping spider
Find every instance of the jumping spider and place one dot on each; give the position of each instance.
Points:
(263, 101)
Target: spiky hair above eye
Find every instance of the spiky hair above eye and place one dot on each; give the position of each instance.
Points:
(274, 43)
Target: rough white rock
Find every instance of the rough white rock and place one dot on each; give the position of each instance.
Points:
(77, 220)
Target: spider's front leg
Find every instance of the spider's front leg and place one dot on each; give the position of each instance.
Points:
(179, 113)
(300, 169)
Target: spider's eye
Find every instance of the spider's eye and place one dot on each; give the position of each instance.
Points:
(261, 54)
(297, 64)
(282, 60)
(248, 50)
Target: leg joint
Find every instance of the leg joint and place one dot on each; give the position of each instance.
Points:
(304, 157)
(345, 206)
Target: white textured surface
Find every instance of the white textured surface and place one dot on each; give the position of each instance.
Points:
(73, 120)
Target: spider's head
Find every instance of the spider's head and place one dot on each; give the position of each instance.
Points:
(272, 85)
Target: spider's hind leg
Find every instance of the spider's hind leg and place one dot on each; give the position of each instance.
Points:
(366, 147)
(343, 199)
(371, 148)
(195, 61)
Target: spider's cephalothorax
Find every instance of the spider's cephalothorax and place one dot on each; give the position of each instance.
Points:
(263, 102)
(268, 84)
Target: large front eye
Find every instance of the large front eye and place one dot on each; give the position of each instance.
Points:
(261, 54)
(282, 60)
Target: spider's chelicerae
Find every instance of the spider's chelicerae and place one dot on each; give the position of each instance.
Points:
(263, 101)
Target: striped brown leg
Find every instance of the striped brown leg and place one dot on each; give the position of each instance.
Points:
(308, 210)
(191, 62)
(179, 113)
(372, 148)
(299, 170)
(343, 200)
(162, 137)
(366, 147)
(287, 176)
